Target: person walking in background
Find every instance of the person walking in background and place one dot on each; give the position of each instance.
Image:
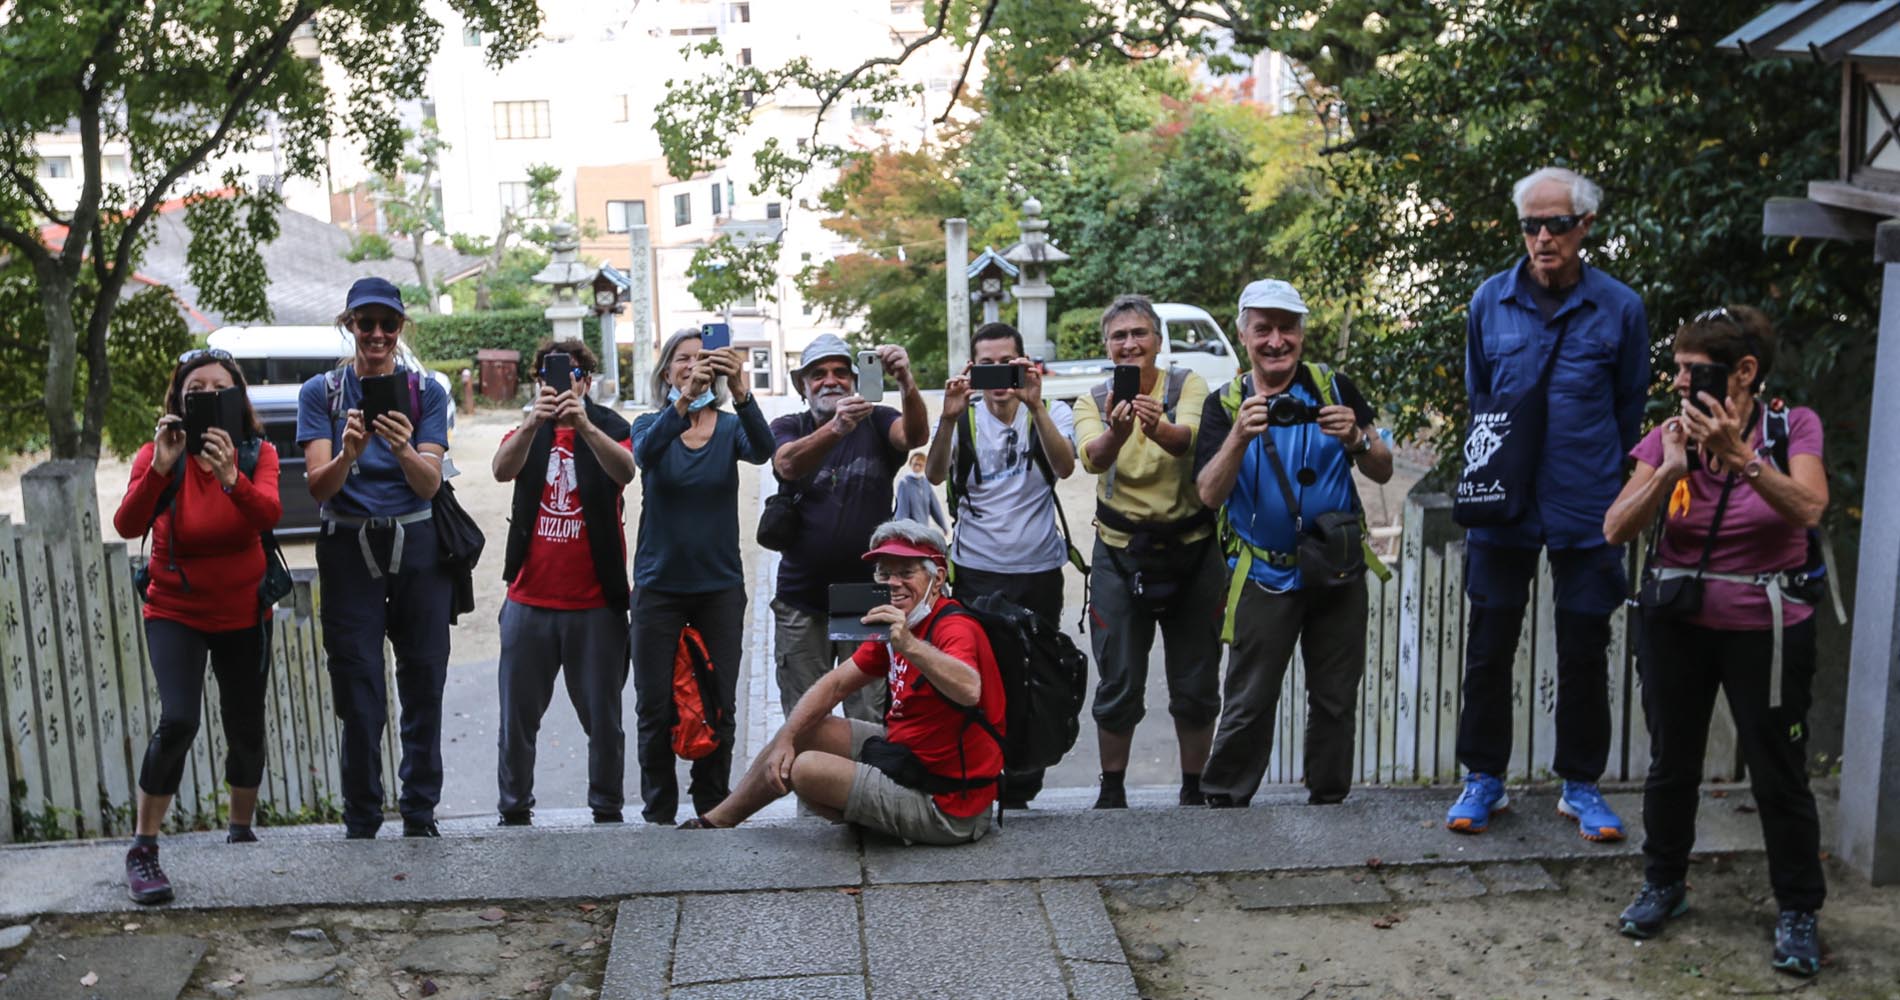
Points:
(917, 498)
(1555, 325)
(205, 513)
(378, 563)
(566, 567)
(1737, 483)
(839, 457)
(687, 567)
(1155, 562)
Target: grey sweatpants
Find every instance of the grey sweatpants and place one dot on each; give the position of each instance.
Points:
(536, 644)
(804, 654)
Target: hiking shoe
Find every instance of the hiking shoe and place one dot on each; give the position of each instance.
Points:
(1222, 800)
(1654, 906)
(1112, 796)
(1797, 943)
(602, 816)
(1192, 797)
(523, 818)
(244, 836)
(1596, 821)
(420, 828)
(1483, 795)
(698, 823)
(145, 881)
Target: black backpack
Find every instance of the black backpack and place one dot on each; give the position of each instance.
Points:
(1045, 680)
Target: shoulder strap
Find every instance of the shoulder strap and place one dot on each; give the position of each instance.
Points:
(1774, 436)
(1170, 396)
(1100, 395)
(1286, 485)
(333, 393)
(1323, 382)
(1233, 394)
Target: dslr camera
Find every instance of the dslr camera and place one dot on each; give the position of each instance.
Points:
(1285, 410)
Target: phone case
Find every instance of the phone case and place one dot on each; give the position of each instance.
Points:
(1127, 383)
(870, 376)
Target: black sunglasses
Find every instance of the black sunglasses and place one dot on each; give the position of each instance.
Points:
(388, 324)
(1557, 224)
(214, 353)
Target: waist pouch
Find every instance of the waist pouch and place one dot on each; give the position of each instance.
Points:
(779, 522)
(1669, 596)
(1332, 550)
(902, 766)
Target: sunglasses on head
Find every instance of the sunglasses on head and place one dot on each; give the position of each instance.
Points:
(214, 353)
(388, 324)
(1557, 224)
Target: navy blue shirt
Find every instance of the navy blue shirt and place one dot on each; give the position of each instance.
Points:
(376, 486)
(689, 509)
(1597, 391)
(1256, 509)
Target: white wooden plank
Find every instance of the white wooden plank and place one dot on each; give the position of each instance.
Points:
(1523, 691)
(114, 784)
(127, 634)
(1412, 611)
(1388, 684)
(280, 712)
(76, 670)
(215, 792)
(19, 712)
(332, 730)
(1543, 720)
(1366, 740)
(1451, 667)
(306, 664)
(1293, 730)
(42, 607)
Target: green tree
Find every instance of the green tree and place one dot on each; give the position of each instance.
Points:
(180, 85)
(519, 246)
(408, 200)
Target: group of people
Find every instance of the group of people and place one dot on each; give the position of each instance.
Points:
(1224, 515)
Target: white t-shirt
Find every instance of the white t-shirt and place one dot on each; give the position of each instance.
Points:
(1007, 522)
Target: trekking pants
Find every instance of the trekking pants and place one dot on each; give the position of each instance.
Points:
(588, 648)
(178, 665)
(658, 618)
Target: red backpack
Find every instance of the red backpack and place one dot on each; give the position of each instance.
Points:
(695, 698)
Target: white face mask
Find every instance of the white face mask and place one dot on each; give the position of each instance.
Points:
(922, 610)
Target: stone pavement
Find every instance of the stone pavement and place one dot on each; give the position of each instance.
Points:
(795, 907)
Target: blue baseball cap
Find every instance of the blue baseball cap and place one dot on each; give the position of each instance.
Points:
(376, 292)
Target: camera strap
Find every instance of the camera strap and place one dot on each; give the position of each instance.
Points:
(1286, 485)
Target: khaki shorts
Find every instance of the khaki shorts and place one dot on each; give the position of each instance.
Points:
(886, 806)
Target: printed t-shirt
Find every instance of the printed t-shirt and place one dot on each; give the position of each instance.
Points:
(843, 502)
(1149, 483)
(1007, 522)
(558, 571)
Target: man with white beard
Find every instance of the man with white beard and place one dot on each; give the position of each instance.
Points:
(839, 458)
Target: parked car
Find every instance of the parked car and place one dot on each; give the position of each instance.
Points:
(276, 362)
(1189, 339)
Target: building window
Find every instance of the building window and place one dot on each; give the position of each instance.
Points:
(56, 167)
(718, 203)
(471, 36)
(619, 105)
(772, 210)
(514, 196)
(682, 209)
(805, 307)
(521, 120)
(863, 113)
(761, 370)
(748, 299)
(623, 215)
(742, 13)
(745, 57)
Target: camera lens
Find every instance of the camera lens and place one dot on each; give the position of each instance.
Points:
(1285, 411)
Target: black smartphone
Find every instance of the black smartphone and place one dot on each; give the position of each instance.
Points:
(1711, 378)
(557, 371)
(1127, 384)
(984, 377)
(715, 336)
(382, 394)
(850, 602)
(201, 414)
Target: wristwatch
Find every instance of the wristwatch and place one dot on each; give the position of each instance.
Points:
(1752, 470)
(1364, 445)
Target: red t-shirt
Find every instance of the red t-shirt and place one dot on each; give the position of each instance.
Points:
(558, 571)
(928, 723)
(211, 535)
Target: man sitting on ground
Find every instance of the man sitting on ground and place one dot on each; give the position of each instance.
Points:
(929, 773)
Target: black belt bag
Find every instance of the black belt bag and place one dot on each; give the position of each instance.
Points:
(1332, 550)
(902, 766)
(1677, 596)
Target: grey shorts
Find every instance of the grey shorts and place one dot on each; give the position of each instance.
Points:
(884, 805)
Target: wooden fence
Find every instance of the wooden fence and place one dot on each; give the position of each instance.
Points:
(79, 703)
(1412, 692)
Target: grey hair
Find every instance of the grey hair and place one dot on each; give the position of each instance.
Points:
(1134, 304)
(722, 393)
(916, 532)
(1585, 196)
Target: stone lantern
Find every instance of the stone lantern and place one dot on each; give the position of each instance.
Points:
(566, 276)
(1034, 255)
(989, 276)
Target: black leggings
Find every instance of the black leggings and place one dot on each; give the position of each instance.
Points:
(178, 664)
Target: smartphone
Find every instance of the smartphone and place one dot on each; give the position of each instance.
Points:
(849, 603)
(1127, 384)
(1711, 378)
(382, 394)
(201, 414)
(715, 336)
(557, 371)
(870, 376)
(996, 377)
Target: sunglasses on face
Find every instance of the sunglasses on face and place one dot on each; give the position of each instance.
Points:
(387, 324)
(1557, 224)
(216, 354)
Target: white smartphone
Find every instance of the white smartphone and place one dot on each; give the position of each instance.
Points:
(870, 377)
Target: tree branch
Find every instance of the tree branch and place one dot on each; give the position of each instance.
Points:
(844, 82)
(956, 92)
(42, 203)
(27, 243)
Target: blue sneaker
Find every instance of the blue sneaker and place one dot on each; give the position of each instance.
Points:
(1595, 819)
(1483, 796)
(1797, 943)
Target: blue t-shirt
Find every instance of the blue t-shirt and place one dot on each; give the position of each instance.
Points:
(375, 487)
(689, 508)
(1256, 509)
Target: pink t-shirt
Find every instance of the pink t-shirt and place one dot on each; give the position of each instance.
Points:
(1752, 538)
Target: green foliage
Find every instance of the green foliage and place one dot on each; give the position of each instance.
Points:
(326, 810)
(453, 367)
(369, 246)
(507, 283)
(182, 85)
(409, 207)
(461, 335)
(727, 269)
(1078, 332)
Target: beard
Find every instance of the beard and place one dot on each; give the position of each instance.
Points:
(824, 402)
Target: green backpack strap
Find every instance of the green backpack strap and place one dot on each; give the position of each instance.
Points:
(1326, 381)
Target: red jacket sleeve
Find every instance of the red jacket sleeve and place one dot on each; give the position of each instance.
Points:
(256, 497)
(134, 515)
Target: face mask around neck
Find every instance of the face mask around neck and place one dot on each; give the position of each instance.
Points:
(699, 402)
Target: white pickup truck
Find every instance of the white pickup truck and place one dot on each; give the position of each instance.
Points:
(1189, 339)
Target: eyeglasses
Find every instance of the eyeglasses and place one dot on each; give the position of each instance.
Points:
(882, 575)
(214, 353)
(388, 324)
(1557, 224)
(1124, 336)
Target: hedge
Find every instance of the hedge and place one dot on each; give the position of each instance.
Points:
(461, 335)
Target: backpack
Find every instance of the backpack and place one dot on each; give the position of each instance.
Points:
(1170, 398)
(966, 468)
(696, 711)
(1243, 552)
(1816, 578)
(1045, 680)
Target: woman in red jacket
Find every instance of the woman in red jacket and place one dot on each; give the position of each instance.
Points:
(204, 513)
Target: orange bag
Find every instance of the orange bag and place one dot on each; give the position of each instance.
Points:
(695, 698)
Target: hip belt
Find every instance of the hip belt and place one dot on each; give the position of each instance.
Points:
(331, 522)
(1770, 583)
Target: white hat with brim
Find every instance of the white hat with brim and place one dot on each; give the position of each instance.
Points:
(825, 345)
(1272, 293)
